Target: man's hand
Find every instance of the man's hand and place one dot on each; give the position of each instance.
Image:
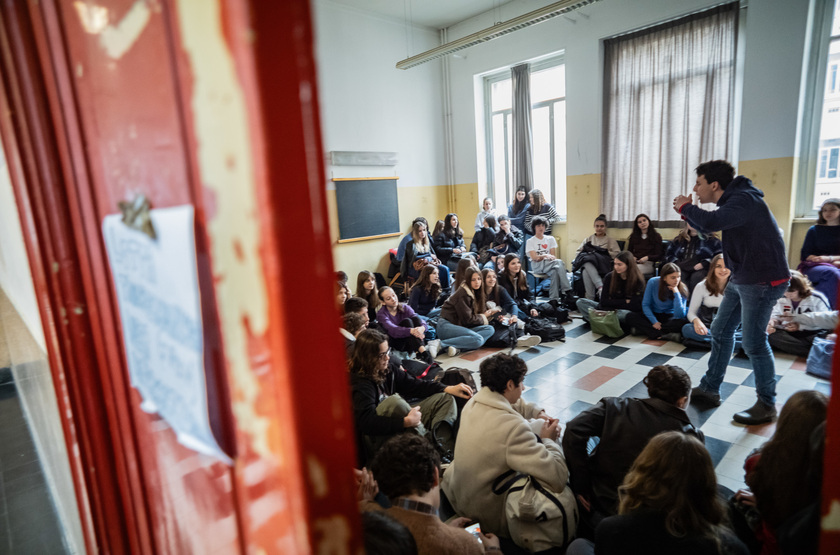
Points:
(460, 522)
(489, 540)
(459, 390)
(367, 486)
(550, 430)
(680, 201)
(412, 419)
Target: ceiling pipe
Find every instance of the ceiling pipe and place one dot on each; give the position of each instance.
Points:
(494, 32)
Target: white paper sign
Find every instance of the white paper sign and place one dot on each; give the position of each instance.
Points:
(158, 296)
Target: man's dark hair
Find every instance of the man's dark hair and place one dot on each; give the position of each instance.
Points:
(539, 220)
(386, 536)
(496, 371)
(405, 465)
(717, 170)
(355, 304)
(668, 383)
(353, 322)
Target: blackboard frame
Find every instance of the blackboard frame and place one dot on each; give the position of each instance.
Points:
(368, 208)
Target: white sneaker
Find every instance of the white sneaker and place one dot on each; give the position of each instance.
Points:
(528, 341)
(433, 347)
(453, 352)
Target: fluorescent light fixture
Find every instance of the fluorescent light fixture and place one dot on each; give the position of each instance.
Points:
(496, 31)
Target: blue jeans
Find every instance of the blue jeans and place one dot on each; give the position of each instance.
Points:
(465, 339)
(748, 305)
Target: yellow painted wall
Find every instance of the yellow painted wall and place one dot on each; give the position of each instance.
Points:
(429, 202)
(777, 178)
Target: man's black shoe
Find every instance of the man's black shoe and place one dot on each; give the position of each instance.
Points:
(759, 413)
(702, 396)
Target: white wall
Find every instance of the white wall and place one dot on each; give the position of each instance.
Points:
(369, 105)
(15, 277)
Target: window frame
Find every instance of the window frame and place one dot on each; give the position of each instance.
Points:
(551, 61)
(817, 89)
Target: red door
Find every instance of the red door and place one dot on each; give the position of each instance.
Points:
(209, 104)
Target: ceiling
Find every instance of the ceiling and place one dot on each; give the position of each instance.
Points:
(436, 14)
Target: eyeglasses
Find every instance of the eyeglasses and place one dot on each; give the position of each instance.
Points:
(386, 355)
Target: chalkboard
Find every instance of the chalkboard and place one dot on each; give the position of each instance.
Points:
(367, 208)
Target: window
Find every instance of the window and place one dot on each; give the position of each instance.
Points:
(670, 98)
(827, 182)
(548, 120)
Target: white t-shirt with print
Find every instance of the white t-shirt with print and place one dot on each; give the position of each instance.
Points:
(541, 246)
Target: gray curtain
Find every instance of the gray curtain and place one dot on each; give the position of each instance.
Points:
(669, 105)
(523, 173)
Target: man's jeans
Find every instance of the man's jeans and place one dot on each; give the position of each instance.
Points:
(750, 306)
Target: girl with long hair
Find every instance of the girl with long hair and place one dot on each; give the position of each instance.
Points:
(539, 207)
(623, 290)
(463, 265)
(663, 306)
(437, 231)
(366, 289)
(464, 322)
(594, 257)
(425, 293)
(449, 244)
(342, 293)
(513, 279)
(800, 298)
(705, 301)
(820, 252)
(693, 253)
(497, 296)
(645, 243)
(668, 504)
(519, 207)
(421, 248)
(406, 330)
(778, 473)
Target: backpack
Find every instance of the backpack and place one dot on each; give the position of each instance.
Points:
(422, 370)
(538, 519)
(454, 376)
(546, 329)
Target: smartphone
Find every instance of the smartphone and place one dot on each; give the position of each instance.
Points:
(475, 530)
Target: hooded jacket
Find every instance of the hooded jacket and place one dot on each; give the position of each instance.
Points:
(752, 242)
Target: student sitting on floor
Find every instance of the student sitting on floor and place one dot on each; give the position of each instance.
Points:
(663, 306)
(777, 475)
(623, 291)
(668, 504)
(463, 265)
(380, 390)
(800, 298)
(514, 281)
(622, 427)
(358, 305)
(449, 244)
(482, 242)
(366, 289)
(407, 470)
(464, 323)
(353, 324)
(502, 321)
(425, 293)
(406, 331)
(496, 437)
(705, 301)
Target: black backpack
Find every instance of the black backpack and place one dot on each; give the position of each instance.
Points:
(546, 329)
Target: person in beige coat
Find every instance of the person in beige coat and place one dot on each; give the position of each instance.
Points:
(495, 437)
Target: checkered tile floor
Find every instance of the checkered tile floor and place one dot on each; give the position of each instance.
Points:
(566, 378)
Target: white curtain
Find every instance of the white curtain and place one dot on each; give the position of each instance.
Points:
(669, 98)
(522, 147)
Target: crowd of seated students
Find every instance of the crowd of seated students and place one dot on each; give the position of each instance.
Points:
(639, 472)
(635, 470)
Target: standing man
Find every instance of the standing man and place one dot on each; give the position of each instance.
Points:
(755, 252)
